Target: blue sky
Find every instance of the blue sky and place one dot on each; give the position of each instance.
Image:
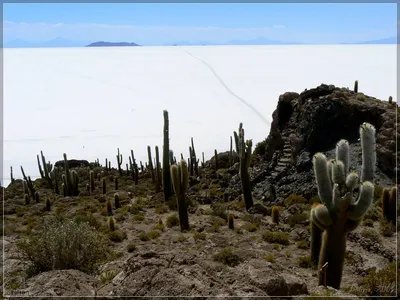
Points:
(150, 24)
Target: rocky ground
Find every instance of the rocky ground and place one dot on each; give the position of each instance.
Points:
(148, 255)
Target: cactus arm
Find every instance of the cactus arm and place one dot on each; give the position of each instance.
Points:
(338, 172)
(329, 166)
(352, 180)
(323, 179)
(364, 201)
(367, 133)
(350, 225)
(184, 175)
(343, 154)
(321, 213)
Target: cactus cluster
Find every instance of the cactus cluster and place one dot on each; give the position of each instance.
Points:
(45, 173)
(134, 168)
(70, 180)
(243, 149)
(180, 180)
(29, 188)
(342, 208)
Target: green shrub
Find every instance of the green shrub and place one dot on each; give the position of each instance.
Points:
(252, 227)
(135, 209)
(381, 283)
(276, 237)
(138, 217)
(172, 220)
(304, 262)
(297, 219)
(199, 236)
(144, 237)
(260, 148)
(154, 234)
(371, 234)
(215, 227)
(117, 236)
(219, 210)
(227, 257)
(64, 244)
(293, 198)
(161, 209)
(131, 247)
(368, 222)
(302, 245)
(270, 258)
(386, 228)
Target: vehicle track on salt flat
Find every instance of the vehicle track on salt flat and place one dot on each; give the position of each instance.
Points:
(229, 90)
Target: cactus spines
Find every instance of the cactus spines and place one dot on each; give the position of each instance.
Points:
(356, 86)
(244, 148)
(111, 223)
(109, 208)
(27, 199)
(275, 214)
(180, 179)
(116, 183)
(116, 201)
(104, 185)
(341, 212)
(231, 221)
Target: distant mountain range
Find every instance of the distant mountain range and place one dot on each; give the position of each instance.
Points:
(387, 41)
(61, 42)
(111, 44)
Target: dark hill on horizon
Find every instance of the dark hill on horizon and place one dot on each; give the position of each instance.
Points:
(111, 44)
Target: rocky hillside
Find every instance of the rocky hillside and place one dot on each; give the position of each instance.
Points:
(49, 251)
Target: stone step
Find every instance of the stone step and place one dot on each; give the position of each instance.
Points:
(285, 159)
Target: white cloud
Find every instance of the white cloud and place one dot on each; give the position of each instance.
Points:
(279, 26)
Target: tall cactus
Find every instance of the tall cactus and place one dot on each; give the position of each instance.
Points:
(341, 212)
(119, 162)
(158, 171)
(29, 184)
(150, 164)
(167, 154)
(244, 151)
(11, 175)
(180, 179)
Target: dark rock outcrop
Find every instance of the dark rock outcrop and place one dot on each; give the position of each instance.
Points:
(315, 120)
(72, 163)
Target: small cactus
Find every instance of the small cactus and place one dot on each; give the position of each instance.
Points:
(180, 179)
(116, 201)
(390, 99)
(109, 208)
(37, 197)
(27, 199)
(119, 162)
(116, 183)
(167, 159)
(111, 223)
(231, 221)
(48, 204)
(104, 185)
(275, 214)
(216, 159)
(356, 86)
